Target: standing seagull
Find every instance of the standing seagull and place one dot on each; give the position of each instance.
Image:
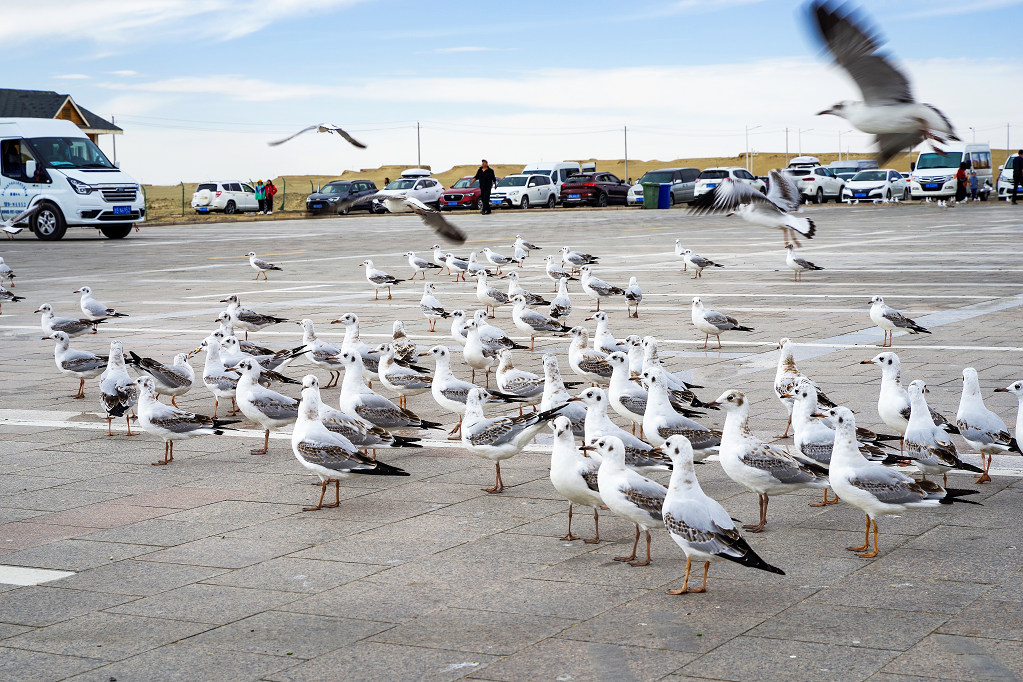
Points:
(6, 273)
(699, 263)
(521, 243)
(556, 272)
(495, 258)
(169, 423)
(76, 363)
(893, 401)
(698, 523)
(561, 306)
(555, 394)
(591, 364)
(1017, 390)
(70, 326)
(379, 278)
(361, 434)
(596, 287)
(629, 494)
(515, 288)
(431, 307)
(93, 308)
(420, 265)
(926, 444)
(787, 376)
(268, 409)
(633, 297)
(889, 319)
(358, 400)
(260, 265)
(117, 391)
(8, 297)
(574, 476)
(246, 319)
(661, 421)
(888, 110)
(777, 209)
(796, 264)
(979, 426)
(321, 353)
(532, 322)
(712, 322)
(172, 380)
(489, 296)
(321, 128)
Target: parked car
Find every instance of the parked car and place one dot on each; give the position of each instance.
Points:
(229, 197)
(934, 173)
(325, 199)
(712, 177)
(881, 183)
(816, 183)
(1004, 179)
(557, 171)
(524, 190)
(416, 183)
(463, 194)
(683, 184)
(596, 189)
(847, 169)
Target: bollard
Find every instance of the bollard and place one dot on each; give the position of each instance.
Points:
(284, 192)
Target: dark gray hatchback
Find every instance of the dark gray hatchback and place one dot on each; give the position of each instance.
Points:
(328, 196)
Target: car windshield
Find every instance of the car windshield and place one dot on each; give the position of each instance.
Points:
(946, 160)
(69, 152)
(548, 173)
(335, 188)
(578, 179)
(665, 176)
(466, 183)
(402, 183)
(513, 181)
(208, 186)
(871, 175)
(713, 174)
(842, 169)
(796, 172)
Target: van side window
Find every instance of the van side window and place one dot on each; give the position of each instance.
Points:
(13, 160)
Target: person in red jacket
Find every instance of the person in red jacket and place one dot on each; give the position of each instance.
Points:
(269, 190)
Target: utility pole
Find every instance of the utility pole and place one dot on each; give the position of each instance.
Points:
(113, 138)
(749, 166)
(625, 130)
(799, 140)
(1007, 147)
(787, 146)
(419, 151)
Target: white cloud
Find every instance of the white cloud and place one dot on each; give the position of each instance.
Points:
(123, 73)
(230, 86)
(72, 77)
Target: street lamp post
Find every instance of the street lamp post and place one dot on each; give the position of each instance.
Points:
(749, 166)
(799, 142)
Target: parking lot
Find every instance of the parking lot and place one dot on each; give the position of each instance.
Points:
(208, 568)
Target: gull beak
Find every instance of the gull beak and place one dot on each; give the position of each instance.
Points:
(713, 403)
(574, 399)
(234, 369)
(927, 390)
(588, 319)
(47, 338)
(1001, 390)
(423, 355)
(588, 448)
(336, 322)
(362, 265)
(77, 291)
(224, 300)
(786, 395)
(196, 351)
(819, 415)
(866, 362)
(38, 310)
(824, 112)
(372, 351)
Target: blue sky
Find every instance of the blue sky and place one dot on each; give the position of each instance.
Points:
(200, 87)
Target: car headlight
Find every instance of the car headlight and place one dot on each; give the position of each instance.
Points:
(80, 187)
(514, 193)
(333, 200)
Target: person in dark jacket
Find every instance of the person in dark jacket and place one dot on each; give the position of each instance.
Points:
(269, 190)
(1017, 174)
(487, 179)
(961, 182)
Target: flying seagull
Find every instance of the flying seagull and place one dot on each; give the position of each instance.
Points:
(8, 226)
(888, 110)
(431, 217)
(321, 128)
(776, 209)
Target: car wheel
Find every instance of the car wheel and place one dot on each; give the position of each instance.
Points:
(551, 201)
(671, 200)
(601, 200)
(116, 231)
(49, 224)
(525, 203)
(230, 208)
(905, 194)
(819, 197)
(479, 204)
(888, 195)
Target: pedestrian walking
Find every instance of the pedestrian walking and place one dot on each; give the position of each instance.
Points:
(1017, 174)
(261, 196)
(961, 182)
(487, 180)
(974, 190)
(269, 190)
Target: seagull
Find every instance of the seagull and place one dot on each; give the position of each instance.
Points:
(493, 338)
(680, 251)
(460, 266)
(628, 494)
(8, 297)
(248, 320)
(6, 273)
(639, 454)
(661, 421)
(629, 397)
(405, 349)
(476, 355)
(699, 263)
(532, 322)
(404, 381)
(575, 259)
(379, 278)
(326, 453)
(261, 266)
(174, 380)
(431, 217)
(320, 353)
(698, 523)
(787, 376)
(472, 266)
(796, 264)
(227, 329)
(76, 363)
(633, 297)
(556, 394)
(761, 468)
(268, 409)
(590, 364)
(495, 258)
(596, 287)
(498, 438)
(561, 306)
(1017, 390)
(777, 209)
(521, 255)
(515, 288)
(523, 244)
(489, 296)
(117, 391)
(574, 475)
(458, 330)
(712, 322)
(355, 344)
(440, 258)
(420, 265)
(636, 353)
(431, 307)
(94, 309)
(518, 382)
(979, 426)
(603, 339)
(872, 487)
(170, 423)
(451, 392)
(70, 326)
(556, 272)
(361, 435)
(321, 128)
(893, 401)
(8, 226)
(231, 353)
(888, 111)
(927, 445)
(680, 393)
(221, 382)
(358, 400)
(890, 319)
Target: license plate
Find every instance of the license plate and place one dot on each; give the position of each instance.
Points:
(203, 209)
(573, 196)
(316, 205)
(495, 202)
(931, 185)
(712, 186)
(122, 210)
(452, 203)
(860, 195)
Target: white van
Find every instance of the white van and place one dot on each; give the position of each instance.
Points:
(54, 164)
(934, 173)
(557, 171)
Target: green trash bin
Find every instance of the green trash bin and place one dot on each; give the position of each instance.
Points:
(650, 192)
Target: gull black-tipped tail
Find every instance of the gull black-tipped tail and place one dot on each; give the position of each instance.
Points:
(406, 442)
(966, 466)
(424, 424)
(381, 469)
(741, 328)
(956, 495)
(1014, 446)
(749, 557)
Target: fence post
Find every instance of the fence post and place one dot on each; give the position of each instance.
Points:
(284, 192)
(182, 198)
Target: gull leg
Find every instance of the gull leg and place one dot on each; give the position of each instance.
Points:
(456, 432)
(174, 401)
(871, 555)
(788, 425)
(376, 294)
(81, 389)
(127, 422)
(719, 342)
(569, 536)
(985, 460)
(866, 540)
(166, 455)
(635, 544)
(319, 505)
(532, 343)
(388, 293)
(596, 529)
(685, 581)
(266, 445)
(337, 494)
(498, 485)
(763, 516)
(216, 404)
(234, 408)
(646, 562)
(824, 502)
(706, 340)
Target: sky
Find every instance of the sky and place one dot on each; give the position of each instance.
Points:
(200, 87)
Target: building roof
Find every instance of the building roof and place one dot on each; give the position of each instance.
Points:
(49, 104)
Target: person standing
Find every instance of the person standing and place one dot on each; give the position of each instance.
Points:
(1017, 174)
(974, 189)
(269, 190)
(961, 182)
(487, 179)
(260, 196)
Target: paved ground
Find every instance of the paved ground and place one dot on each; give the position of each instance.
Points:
(208, 569)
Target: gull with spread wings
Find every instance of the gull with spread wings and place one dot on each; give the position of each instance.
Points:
(321, 128)
(776, 209)
(431, 217)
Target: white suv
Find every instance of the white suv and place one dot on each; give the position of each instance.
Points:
(428, 190)
(524, 190)
(712, 177)
(229, 197)
(816, 183)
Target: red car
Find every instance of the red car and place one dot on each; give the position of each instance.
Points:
(463, 194)
(596, 189)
